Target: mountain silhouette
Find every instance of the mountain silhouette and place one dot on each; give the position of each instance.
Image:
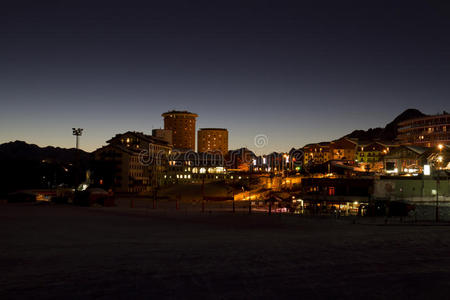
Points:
(20, 150)
(28, 166)
(389, 132)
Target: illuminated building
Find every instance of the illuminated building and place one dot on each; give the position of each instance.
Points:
(343, 149)
(371, 155)
(213, 139)
(426, 131)
(190, 166)
(317, 153)
(406, 159)
(182, 125)
(240, 160)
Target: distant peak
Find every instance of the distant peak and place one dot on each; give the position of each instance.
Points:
(390, 131)
(410, 113)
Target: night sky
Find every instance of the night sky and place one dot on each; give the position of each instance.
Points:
(296, 71)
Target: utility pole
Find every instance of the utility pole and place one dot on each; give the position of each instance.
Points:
(203, 193)
(440, 146)
(437, 197)
(234, 208)
(249, 202)
(270, 202)
(154, 180)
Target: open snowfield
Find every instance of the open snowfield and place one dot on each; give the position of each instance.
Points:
(65, 252)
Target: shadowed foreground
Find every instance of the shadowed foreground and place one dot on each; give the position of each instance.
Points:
(50, 251)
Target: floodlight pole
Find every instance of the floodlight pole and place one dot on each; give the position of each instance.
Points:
(77, 132)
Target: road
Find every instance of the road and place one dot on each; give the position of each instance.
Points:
(57, 251)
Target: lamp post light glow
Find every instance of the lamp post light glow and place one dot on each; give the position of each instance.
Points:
(284, 163)
(440, 158)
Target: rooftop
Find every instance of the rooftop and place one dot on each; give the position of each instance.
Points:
(223, 129)
(141, 135)
(179, 112)
(417, 149)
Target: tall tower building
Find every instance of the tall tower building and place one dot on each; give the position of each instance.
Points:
(182, 125)
(213, 139)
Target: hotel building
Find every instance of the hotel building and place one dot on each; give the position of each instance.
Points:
(182, 125)
(212, 140)
(317, 153)
(132, 162)
(371, 155)
(428, 131)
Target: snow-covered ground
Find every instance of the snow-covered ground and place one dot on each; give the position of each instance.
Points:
(65, 252)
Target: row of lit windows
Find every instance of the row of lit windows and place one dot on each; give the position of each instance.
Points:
(136, 174)
(368, 154)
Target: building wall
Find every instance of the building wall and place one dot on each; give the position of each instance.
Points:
(427, 131)
(402, 157)
(182, 125)
(164, 134)
(419, 190)
(343, 149)
(338, 186)
(372, 155)
(119, 161)
(138, 162)
(213, 139)
(316, 154)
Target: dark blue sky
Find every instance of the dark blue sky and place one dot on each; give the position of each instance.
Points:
(296, 71)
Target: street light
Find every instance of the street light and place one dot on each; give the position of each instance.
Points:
(284, 163)
(439, 159)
